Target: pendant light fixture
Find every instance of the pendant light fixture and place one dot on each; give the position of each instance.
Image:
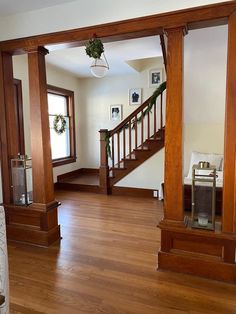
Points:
(95, 49)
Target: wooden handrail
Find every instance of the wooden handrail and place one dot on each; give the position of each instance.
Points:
(129, 136)
(130, 117)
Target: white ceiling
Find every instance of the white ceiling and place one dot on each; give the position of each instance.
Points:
(117, 54)
(75, 60)
(8, 7)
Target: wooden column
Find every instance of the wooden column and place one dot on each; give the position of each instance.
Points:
(9, 133)
(104, 169)
(173, 192)
(43, 189)
(229, 190)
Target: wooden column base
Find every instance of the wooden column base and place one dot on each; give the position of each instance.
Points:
(204, 253)
(36, 224)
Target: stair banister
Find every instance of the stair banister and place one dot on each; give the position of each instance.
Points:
(130, 139)
(130, 117)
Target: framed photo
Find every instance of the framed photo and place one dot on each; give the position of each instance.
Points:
(135, 96)
(116, 112)
(155, 77)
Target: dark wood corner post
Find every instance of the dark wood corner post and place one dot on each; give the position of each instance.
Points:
(229, 190)
(9, 137)
(104, 169)
(173, 178)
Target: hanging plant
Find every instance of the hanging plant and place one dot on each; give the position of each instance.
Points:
(94, 48)
(59, 124)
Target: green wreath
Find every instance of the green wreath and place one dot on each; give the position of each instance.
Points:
(59, 124)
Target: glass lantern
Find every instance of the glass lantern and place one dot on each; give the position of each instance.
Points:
(21, 171)
(203, 196)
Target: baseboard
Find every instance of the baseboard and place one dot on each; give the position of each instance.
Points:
(137, 192)
(76, 173)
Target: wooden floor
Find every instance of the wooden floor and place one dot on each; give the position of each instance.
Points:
(106, 264)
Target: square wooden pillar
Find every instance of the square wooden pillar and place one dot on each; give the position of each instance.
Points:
(36, 223)
(209, 254)
(173, 178)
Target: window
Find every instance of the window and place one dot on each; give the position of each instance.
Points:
(61, 101)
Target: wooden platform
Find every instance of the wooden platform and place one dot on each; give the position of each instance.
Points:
(79, 181)
(106, 263)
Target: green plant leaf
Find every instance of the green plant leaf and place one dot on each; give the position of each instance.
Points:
(94, 48)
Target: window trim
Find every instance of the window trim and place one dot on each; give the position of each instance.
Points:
(71, 113)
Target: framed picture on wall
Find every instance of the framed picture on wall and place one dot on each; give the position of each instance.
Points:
(135, 96)
(116, 112)
(155, 77)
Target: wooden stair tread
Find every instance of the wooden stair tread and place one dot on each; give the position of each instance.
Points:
(150, 146)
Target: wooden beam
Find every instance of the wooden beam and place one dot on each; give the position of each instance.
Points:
(204, 16)
(173, 193)
(229, 189)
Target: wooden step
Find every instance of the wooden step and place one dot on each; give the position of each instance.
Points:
(139, 155)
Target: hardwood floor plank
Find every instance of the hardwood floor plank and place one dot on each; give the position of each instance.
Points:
(106, 264)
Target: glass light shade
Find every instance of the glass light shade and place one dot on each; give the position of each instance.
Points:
(99, 67)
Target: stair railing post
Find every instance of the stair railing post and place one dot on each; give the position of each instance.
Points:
(104, 168)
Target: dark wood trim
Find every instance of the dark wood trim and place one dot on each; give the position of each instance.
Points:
(135, 192)
(63, 161)
(8, 122)
(76, 173)
(71, 113)
(19, 108)
(229, 189)
(198, 17)
(77, 187)
(163, 48)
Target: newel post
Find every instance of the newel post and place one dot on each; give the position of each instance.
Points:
(104, 169)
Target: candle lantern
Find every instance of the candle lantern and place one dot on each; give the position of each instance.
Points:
(203, 195)
(21, 172)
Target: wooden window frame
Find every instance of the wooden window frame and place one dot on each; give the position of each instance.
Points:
(71, 113)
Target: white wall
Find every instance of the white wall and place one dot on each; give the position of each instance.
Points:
(204, 90)
(82, 13)
(96, 97)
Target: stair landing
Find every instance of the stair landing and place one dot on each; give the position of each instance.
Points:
(83, 182)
